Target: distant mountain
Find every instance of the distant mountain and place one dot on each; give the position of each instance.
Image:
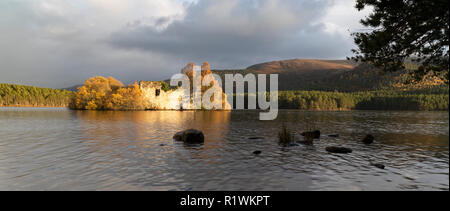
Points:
(323, 75)
(328, 75)
(303, 67)
(72, 88)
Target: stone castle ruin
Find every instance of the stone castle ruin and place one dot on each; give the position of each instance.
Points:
(156, 98)
(157, 95)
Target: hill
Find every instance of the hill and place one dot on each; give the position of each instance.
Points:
(303, 67)
(72, 88)
(325, 75)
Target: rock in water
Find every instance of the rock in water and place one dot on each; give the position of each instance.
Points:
(306, 142)
(311, 134)
(257, 152)
(178, 136)
(378, 165)
(190, 136)
(316, 134)
(341, 150)
(334, 135)
(193, 136)
(368, 139)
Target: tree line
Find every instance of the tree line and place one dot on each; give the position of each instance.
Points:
(426, 100)
(431, 99)
(20, 95)
(99, 93)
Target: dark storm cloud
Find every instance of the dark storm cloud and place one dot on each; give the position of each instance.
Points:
(53, 43)
(239, 33)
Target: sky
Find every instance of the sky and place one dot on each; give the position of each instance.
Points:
(61, 43)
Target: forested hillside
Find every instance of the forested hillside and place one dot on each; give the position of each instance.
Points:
(432, 99)
(422, 99)
(329, 75)
(19, 95)
(342, 85)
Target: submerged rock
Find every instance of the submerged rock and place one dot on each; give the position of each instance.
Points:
(311, 134)
(190, 136)
(306, 142)
(253, 138)
(368, 139)
(257, 152)
(341, 150)
(378, 165)
(295, 144)
(334, 135)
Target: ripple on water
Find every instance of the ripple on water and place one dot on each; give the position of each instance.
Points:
(58, 149)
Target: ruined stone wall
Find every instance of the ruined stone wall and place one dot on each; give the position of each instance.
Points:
(157, 99)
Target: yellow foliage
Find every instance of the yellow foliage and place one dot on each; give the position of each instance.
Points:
(100, 93)
(426, 82)
(91, 105)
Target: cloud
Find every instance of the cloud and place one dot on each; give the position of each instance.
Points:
(238, 33)
(56, 43)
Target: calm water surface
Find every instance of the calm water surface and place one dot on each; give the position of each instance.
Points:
(59, 149)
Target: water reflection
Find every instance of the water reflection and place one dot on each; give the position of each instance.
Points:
(146, 137)
(105, 150)
(152, 128)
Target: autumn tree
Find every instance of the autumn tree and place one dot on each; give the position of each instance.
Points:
(126, 98)
(100, 93)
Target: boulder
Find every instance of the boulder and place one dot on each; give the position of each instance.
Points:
(257, 152)
(190, 136)
(306, 142)
(378, 165)
(311, 134)
(316, 133)
(178, 136)
(368, 139)
(342, 150)
(334, 135)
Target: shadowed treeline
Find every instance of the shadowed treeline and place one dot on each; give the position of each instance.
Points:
(433, 99)
(420, 99)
